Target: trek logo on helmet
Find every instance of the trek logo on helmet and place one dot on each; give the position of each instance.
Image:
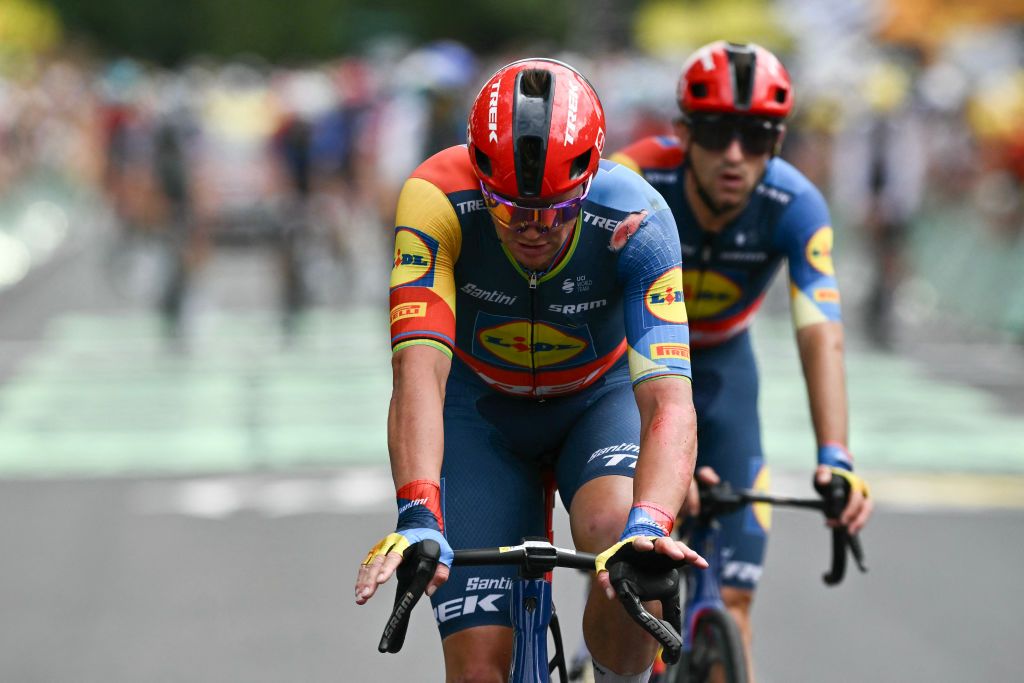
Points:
(570, 119)
(492, 113)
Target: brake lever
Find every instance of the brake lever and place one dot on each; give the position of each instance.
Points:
(638, 576)
(667, 636)
(835, 494)
(418, 565)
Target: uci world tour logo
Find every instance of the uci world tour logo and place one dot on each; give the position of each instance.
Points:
(664, 298)
(511, 342)
(414, 259)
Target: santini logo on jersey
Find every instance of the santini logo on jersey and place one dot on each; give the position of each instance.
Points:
(494, 296)
(619, 454)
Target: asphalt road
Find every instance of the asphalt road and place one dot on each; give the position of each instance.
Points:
(94, 588)
(198, 516)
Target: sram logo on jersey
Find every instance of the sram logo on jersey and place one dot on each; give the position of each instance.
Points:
(819, 251)
(413, 264)
(664, 298)
(569, 309)
(670, 350)
(412, 309)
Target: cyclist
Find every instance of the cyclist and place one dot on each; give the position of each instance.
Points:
(537, 319)
(740, 210)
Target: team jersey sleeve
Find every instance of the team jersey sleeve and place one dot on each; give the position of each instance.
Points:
(427, 244)
(805, 235)
(650, 268)
(622, 157)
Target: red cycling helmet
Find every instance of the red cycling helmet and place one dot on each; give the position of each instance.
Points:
(536, 130)
(728, 78)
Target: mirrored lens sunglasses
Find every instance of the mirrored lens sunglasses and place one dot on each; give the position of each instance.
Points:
(511, 215)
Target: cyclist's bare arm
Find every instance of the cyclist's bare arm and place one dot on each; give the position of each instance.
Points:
(821, 355)
(415, 443)
(415, 417)
(668, 441)
(668, 452)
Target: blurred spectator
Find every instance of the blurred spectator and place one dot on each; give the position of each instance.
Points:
(880, 166)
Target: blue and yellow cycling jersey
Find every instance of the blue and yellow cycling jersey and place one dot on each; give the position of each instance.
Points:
(615, 288)
(729, 272)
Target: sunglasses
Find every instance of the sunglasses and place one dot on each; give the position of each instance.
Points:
(715, 134)
(512, 216)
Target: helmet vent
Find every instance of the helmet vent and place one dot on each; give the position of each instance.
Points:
(530, 164)
(535, 83)
(483, 162)
(780, 95)
(743, 76)
(699, 90)
(531, 124)
(580, 164)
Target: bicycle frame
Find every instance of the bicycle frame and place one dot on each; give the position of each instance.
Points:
(531, 608)
(702, 589)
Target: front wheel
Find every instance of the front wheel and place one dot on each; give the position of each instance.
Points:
(717, 655)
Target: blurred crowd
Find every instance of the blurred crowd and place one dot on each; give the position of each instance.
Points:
(214, 152)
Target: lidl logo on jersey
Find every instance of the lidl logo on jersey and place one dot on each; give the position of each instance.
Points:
(759, 515)
(819, 251)
(664, 298)
(709, 293)
(546, 345)
(673, 350)
(519, 344)
(413, 264)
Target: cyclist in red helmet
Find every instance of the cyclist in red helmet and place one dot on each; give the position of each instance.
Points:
(538, 324)
(741, 211)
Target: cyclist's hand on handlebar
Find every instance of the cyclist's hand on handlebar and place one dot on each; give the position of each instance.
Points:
(383, 559)
(703, 476)
(860, 504)
(647, 529)
(419, 518)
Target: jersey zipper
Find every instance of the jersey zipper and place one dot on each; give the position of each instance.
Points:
(533, 317)
(706, 251)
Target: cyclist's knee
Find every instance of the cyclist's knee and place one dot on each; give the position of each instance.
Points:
(481, 672)
(478, 655)
(598, 512)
